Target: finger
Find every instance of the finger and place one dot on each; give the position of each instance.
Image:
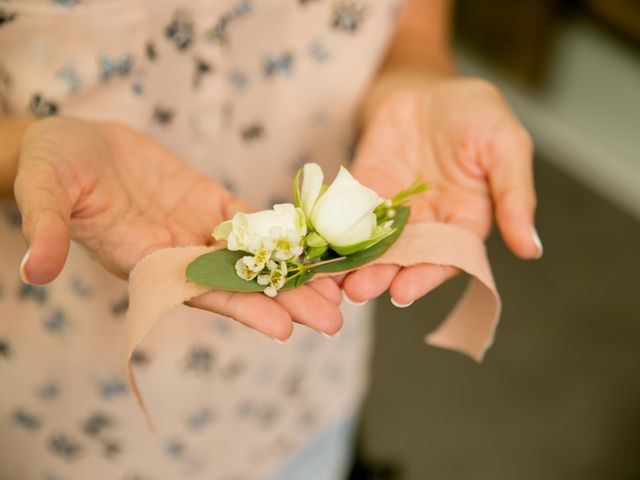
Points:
(328, 288)
(339, 279)
(308, 307)
(368, 282)
(511, 180)
(414, 282)
(272, 319)
(46, 209)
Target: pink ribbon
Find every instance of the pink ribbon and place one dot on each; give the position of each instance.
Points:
(158, 283)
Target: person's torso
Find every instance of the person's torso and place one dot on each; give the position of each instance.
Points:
(245, 91)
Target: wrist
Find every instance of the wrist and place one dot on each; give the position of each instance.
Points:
(400, 79)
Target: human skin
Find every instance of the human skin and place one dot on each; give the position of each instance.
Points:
(122, 195)
(457, 134)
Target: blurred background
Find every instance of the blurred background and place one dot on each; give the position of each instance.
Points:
(558, 396)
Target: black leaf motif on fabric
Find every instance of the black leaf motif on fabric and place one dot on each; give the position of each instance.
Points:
(26, 420)
(120, 307)
(80, 288)
(200, 360)
(48, 391)
(111, 67)
(113, 387)
(252, 132)
(67, 3)
(200, 419)
(175, 448)
(33, 292)
(111, 448)
(64, 447)
(152, 53)
(180, 30)
(278, 65)
(218, 33)
(202, 68)
(5, 348)
(233, 369)
(162, 115)
(347, 16)
(40, 107)
(96, 424)
(6, 17)
(13, 217)
(56, 322)
(140, 358)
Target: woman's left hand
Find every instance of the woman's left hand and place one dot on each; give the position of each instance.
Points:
(460, 137)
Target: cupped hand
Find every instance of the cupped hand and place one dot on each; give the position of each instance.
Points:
(123, 196)
(460, 137)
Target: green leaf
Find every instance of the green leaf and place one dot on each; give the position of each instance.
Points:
(365, 256)
(299, 280)
(217, 269)
(357, 247)
(416, 187)
(315, 240)
(315, 252)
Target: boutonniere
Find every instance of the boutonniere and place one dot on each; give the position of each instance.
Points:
(331, 228)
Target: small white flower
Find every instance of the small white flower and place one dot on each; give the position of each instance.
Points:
(243, 270)
(288, 246)
(270, 292)
(276, 278)
(260, 259)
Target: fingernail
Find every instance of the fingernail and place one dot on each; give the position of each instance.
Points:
(352, 302)
(538, 243)
(332, 337)
(23, 264)
(281, 342)
(401, 305)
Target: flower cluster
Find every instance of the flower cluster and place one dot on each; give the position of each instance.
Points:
(272, 237)
(327, 223)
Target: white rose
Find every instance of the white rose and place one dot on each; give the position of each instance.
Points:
(280, 230)
(343, 214)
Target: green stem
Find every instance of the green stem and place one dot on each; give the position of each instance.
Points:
(294, 276)
(324, 262)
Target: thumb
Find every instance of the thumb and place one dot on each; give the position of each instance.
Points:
(46, 209)
(511, 181)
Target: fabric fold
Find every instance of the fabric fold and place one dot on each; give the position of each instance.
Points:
(158, 283)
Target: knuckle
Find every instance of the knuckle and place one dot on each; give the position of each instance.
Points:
(483, 87)
(523, 139)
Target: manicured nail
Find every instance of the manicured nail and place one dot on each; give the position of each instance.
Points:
(352, 302)
(332, 337)
(401, 305)
(281, 342)
(23, 264)
(538, 243)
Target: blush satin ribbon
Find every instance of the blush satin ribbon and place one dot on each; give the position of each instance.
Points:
(158, 283)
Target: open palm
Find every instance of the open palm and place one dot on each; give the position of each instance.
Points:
(461, 138)
(122, 195)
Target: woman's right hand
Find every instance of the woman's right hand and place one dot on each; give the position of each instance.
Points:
(123, 196)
